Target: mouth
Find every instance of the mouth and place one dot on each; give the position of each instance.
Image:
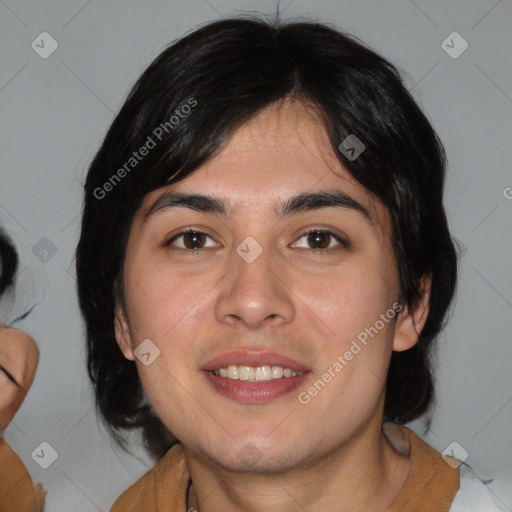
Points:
(255, 374)
(254, 378)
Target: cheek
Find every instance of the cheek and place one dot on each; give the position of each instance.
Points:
(348, 300)
(168, 308)
(350, 304)
(161, 301)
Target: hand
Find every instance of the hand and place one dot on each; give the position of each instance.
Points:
(19, 357)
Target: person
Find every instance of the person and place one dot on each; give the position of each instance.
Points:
(19, 357)
(263, 267)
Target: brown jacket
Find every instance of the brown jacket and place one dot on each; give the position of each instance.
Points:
(17, 491)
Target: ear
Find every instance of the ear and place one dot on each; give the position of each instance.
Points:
(122, 332)
(410, 322)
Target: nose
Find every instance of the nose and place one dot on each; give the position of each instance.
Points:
(256, 293)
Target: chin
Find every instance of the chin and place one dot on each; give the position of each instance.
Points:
(255, 456)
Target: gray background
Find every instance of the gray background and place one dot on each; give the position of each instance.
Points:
(56, 111)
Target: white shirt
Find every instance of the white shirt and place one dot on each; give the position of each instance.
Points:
(473, 495)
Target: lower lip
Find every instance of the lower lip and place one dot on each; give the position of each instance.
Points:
(254, 392)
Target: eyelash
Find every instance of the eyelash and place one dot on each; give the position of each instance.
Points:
(343, 243)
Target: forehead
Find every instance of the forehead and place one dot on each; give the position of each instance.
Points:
(282, 151)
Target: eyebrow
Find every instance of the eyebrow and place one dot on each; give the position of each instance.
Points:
(300, 203)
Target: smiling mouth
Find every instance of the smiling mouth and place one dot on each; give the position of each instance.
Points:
(254, 377)
(255, 373)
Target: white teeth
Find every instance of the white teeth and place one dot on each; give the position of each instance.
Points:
(245, 373)
(232, 372)
(277, 372)
(255, 374)
(263, 373)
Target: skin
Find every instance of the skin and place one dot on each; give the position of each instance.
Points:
(19, 356)
(307, 304)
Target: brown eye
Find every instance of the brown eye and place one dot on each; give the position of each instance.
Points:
(320, 239)
(191, 240)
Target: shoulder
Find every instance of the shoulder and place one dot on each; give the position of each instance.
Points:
(473, 495)
(17, 491)
(159, 488)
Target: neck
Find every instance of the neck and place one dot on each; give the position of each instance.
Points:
(364, 473)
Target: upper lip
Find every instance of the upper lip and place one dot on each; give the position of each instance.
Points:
(254, 359)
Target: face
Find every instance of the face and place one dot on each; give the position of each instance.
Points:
(257, 355)
(19, 357)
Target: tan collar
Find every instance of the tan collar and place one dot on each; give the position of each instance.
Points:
(431, 485)
(432, 482)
